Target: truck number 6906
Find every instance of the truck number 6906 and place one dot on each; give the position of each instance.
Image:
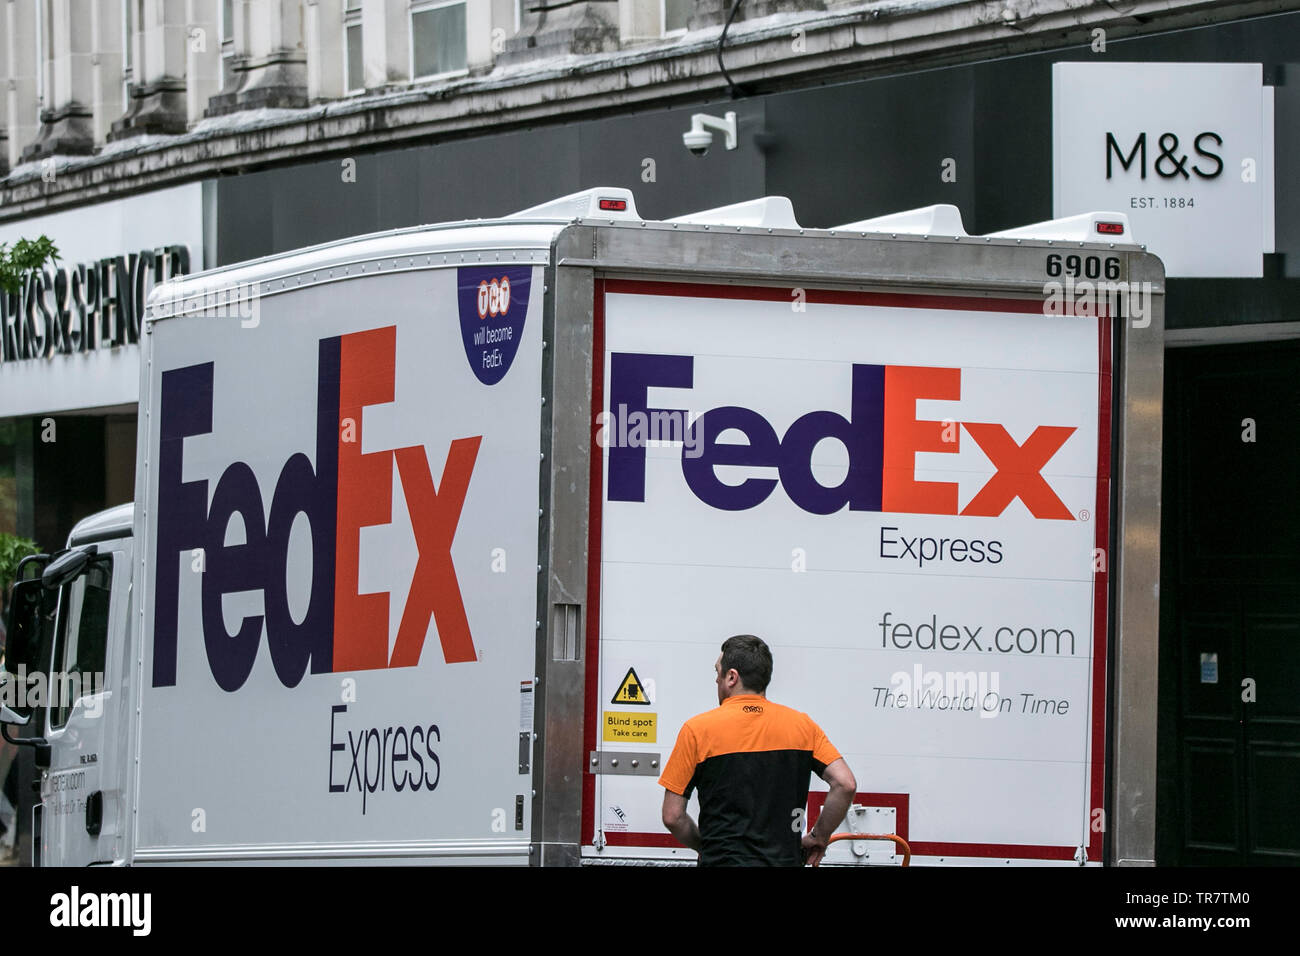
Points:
(1090, 267)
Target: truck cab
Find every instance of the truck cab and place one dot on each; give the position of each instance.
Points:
(69, 656)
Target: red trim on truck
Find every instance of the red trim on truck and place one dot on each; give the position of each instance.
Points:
(1101, 589)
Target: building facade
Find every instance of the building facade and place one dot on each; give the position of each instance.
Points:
(150, 137)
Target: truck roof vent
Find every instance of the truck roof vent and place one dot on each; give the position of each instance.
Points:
(603, 202)
(941, 220)
(1088, 227)
(769, 212)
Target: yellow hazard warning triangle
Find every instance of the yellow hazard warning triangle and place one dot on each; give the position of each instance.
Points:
(631, 690)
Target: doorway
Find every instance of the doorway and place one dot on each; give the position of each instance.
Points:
(1229, 724)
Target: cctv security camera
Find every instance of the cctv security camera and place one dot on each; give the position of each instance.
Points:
(698, 141)
(698, 138)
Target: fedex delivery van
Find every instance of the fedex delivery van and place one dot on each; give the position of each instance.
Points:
(437, 533)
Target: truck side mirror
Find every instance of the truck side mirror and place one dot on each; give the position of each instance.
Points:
(29, 603)
(66, 567)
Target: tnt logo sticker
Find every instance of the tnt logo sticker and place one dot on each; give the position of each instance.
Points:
(493, 297)
(493, 301)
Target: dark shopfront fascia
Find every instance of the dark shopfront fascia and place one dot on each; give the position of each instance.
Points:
(1228, 769)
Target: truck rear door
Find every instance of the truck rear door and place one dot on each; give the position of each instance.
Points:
(907, 497)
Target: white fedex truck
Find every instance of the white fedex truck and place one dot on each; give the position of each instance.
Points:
(437, 533)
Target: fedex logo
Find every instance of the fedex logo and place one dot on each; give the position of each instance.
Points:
(339, 493)
(882, 435)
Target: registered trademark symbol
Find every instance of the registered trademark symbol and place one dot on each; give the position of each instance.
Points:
(1083, 515)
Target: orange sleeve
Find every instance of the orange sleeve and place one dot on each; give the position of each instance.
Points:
(681, 765)
(824, 752)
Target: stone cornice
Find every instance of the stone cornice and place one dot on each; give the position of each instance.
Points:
(851, 40)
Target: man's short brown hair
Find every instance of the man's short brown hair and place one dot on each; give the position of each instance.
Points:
(751, 659)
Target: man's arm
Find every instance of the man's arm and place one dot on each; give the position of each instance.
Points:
(679, 822)
(843, 786)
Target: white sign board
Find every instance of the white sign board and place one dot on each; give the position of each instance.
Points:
(341, 513)
(98, 377)
(915, 527)
(1185, 149)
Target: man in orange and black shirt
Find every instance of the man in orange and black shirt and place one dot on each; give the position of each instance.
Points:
(750, 760)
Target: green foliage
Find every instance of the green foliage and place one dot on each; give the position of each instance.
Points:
(12, 550)
(25, 257)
